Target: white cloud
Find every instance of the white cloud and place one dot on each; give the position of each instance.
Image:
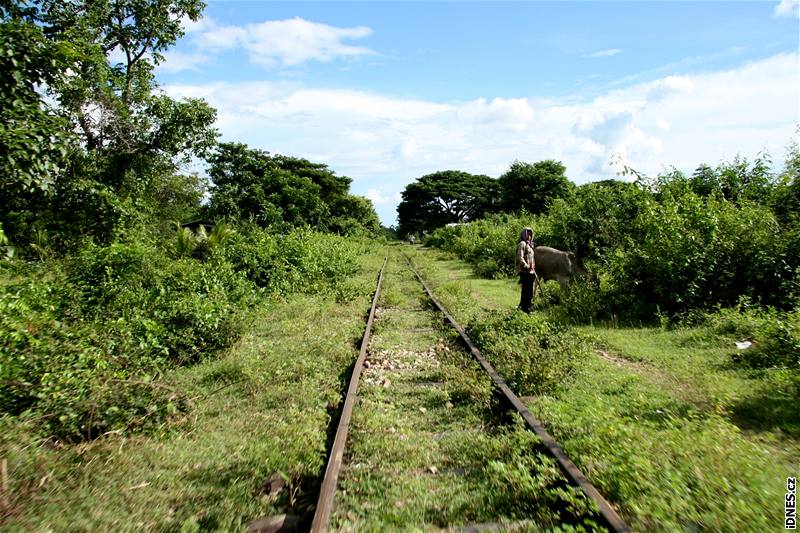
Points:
(604, 53)
(376, 197)
(175, 61)
(514, 113)
(788, 8)
(193, 26)
(684, 64)
(669, 86)
(606, 129)
(285, 42)
(384, 143)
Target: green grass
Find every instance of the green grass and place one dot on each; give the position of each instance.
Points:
(426, 448)
(663, 425)
(261, 409)
(696, 366)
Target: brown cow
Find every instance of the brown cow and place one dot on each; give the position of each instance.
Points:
(557, 265)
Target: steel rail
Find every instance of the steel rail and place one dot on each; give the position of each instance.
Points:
(608, 514)
(328, 489)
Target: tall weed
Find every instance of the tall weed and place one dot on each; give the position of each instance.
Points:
(532, 353)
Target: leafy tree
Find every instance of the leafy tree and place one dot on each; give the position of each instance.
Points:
(276, 189)
(449, 196)
(532, 186)
(34, 140)
(738, 181)
(111, 102)
(251, 184)
(785, 200)
(127, 135)
(351, 214)
(596, 219)
(332, 187)
(703, 181)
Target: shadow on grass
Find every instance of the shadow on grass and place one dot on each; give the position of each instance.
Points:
(250, 482)
(768, 410)
(771, 403)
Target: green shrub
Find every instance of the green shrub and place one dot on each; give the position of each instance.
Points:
(775, 335)
(83, 340)
(299, 261)
(489, 268)
(489, 244)
(157, 307)
(533, 354)
(70, 376)
(579, 304)
(777, 344)
(669, 252)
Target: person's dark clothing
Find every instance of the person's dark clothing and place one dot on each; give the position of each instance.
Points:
(526, 279)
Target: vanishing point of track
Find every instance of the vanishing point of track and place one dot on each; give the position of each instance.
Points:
(325, 504)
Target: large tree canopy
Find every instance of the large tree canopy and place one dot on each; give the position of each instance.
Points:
(532, 186)
(277, 189)
(33, 140)
(62, 83)
(445, 197)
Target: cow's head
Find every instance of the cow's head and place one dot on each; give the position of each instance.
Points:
(578, 271)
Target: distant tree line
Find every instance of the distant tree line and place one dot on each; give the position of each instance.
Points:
(452, 196)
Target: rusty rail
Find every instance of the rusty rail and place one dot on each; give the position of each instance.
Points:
(328, 488)
(608, 514)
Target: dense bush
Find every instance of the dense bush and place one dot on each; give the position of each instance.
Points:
(81, 348)
(775, 335)
(533, 354)
(666, 251)
(84, 339)
(489, 244)
(175, 308)
(694, 252)
(299, 261)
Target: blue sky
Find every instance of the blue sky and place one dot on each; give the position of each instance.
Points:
(385, 92)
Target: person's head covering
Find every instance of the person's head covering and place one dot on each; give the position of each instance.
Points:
(524, 235)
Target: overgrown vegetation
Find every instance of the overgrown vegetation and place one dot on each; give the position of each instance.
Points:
(659, 419)
(101, 295)
(87, 337)
(259, 412)
(769, 338)
(426, 447)
(117, 321)
(668, 246)
(534, 354)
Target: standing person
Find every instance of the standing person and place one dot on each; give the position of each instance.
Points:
(526, 266)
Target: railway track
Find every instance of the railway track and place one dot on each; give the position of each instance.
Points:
(425, 439)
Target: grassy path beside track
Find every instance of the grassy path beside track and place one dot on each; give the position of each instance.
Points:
(657, 423)
(259, 420)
